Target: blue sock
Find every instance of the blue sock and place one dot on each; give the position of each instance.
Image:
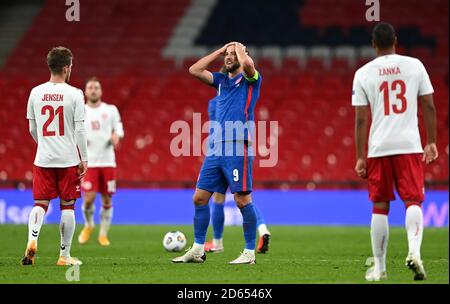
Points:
(201, 222)
(249, 225)
(218, 219)
(259, 218)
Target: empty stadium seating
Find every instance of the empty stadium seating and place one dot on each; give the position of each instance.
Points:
(307, 64)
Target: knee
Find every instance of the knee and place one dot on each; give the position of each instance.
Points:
(200, 200)
(107, 201)
(89, 198)
(240, 204)
(218, 198)
(381, 208)
(42, 204)
(242, 199)
(67, 205)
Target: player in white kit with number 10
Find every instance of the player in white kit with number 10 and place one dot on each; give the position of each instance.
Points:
(104, 132)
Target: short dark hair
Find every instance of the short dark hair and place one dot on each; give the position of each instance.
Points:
(383, 35)
(57, 58)
(93, 78)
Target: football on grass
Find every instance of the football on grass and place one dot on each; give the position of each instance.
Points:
(174, 241)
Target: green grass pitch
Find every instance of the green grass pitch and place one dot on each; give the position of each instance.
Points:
(297, 255)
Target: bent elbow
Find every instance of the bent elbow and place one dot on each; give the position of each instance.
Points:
(192, 70)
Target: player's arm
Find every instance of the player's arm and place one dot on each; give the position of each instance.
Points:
(33, 129)
(429, 114)
(429, 117)
(80, 133)
(199, 69)
(246, 62)
(118, 132)
(81, 141)
(361, 125)
(31, 118)
(362, 108)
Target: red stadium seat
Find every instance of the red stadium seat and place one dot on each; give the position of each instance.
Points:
(311, 102)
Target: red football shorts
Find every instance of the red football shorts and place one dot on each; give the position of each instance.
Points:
(404, 171)
(101, 180)
(50, 183)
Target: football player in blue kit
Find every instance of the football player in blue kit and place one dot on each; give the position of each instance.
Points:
(229, 160)
(218, 214)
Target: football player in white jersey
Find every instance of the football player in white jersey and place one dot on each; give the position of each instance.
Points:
(56, 118)
(389, 88)
(104, 132)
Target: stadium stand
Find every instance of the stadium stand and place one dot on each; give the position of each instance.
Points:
(306, 54)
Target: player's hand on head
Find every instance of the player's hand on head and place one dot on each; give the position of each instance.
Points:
(241, 46)
(361, 168)
(82, 169)
(232, 43)
(224, 48)
(430, 153)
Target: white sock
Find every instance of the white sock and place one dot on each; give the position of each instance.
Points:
(249, 251)
(66, 229)
(379, 232)
(262, 230)
(88, 215)
(105, 220)
(217, 243)
(198, 248)
(414, 228)
(35, 223)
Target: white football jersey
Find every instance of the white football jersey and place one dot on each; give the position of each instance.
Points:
(391, 85)
(100, 123)
(56, 107)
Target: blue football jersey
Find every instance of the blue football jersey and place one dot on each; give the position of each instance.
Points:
(212, 109)
(212, 117)
(234, 103)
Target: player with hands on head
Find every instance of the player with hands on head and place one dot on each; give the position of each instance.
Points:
(237, 93)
